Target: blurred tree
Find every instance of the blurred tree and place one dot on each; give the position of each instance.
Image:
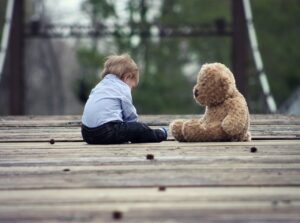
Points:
(2, 16)
(278, 30)
(169, 65)
(90, 59)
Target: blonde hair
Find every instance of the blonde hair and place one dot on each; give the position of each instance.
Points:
(120, 65)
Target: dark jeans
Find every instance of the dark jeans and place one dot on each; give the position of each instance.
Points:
(121, 132)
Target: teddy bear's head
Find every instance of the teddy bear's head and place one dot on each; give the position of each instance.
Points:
(215, 83)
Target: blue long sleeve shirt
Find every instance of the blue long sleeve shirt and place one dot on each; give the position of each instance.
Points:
(110, 100)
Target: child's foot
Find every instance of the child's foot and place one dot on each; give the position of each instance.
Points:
(165, 132)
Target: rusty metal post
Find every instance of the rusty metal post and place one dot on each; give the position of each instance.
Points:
(15, 61)
(239, 45)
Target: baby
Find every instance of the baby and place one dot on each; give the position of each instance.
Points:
(109, 116)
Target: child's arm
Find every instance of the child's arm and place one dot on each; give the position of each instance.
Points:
(128, 111)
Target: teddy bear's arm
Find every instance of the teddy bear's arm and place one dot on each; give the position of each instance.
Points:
(235, 121)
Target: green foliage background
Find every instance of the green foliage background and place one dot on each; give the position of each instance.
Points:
(2, 16)
(169, 65)
(278, 30)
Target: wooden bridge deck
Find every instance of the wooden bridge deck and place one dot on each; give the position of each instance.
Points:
(69, 181)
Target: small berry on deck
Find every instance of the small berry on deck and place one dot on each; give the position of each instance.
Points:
(117, 215)
(162, 188)
(150, 156)
(52, 141)
(253, 149)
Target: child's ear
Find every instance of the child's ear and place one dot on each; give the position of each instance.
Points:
(128, 76)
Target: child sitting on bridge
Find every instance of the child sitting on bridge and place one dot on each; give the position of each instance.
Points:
(109, 116)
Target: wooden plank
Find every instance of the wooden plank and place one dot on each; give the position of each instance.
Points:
(162, 145)
(283, 195)
(214, 182)
(66, 128)
(8, 134)
(164, 149)
(151, 175)
(155, 120)
(40, 134)
(223, 212)
(125, 165)
(230, 204)
(43, 169)
(282, 128)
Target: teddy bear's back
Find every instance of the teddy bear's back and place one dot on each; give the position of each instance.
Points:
(238, 109)
(214, 114)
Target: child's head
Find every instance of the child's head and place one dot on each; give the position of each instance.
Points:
(122, 66)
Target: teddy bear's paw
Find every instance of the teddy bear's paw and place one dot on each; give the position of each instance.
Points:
(176, 129)
(247, 137)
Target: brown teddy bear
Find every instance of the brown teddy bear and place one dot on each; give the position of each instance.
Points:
(226, 115)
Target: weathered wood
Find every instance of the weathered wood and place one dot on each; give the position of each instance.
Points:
(257, 181)
(67, 128)
(23, 134)
(198, 164)
(230, 204)
(161, 150)
(155, 120)
(162, 145)
(34, 134)
(225, 212)
(282, 195)
(174, 174)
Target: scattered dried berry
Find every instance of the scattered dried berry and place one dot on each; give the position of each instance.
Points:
(162, 188)
(150, 156)
(253, 149)
(52, 141)
(117, 215)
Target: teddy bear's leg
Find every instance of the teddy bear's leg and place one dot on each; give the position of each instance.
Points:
(193, 131)
(176, 129)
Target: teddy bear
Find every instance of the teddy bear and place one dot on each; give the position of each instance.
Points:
(226, 116)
